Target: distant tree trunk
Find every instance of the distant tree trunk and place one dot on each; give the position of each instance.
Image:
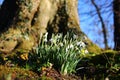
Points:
(23, 22)
(116, 8)
(102, 23)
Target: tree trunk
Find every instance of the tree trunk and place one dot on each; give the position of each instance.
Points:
(116, 8)
(102, 23)
(23, 22)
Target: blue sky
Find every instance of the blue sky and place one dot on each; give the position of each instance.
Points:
(1, 1)
(91, 25)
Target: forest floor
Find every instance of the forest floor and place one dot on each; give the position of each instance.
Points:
(14, 73)
(100, 67)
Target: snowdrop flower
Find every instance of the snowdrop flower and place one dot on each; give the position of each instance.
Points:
(76, 48)
(61, 44)
(81, 44)
(86, 51)
(59, 36)
(69, 47)
(66, 49)
(45, 40)
(75, 36)
(45, 37)
(51, 40)
(46, 34)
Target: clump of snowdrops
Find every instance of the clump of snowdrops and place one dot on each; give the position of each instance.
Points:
(63, 52)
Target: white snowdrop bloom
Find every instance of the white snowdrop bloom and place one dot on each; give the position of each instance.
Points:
(106, 78)
(81, 44)
(76, 48)
(46, 34)
(45, 37)
(45, 40)
(67, 49)
(75, 36)
(59, 36)
(78, 43)
(86, 51)
(70, 46)
(61, 44)
(51, 40)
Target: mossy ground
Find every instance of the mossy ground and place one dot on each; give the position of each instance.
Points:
(15, 73)
(104, 65)
(97, 67)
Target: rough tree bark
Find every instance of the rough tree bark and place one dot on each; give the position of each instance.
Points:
(116, 8)
(23, 22)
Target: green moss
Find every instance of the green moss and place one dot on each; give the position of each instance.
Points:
(93, 48)
(110, 51)
(16, 73)
(45, 78)
(106, 63)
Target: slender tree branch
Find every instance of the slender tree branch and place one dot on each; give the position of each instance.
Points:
(102, 23)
